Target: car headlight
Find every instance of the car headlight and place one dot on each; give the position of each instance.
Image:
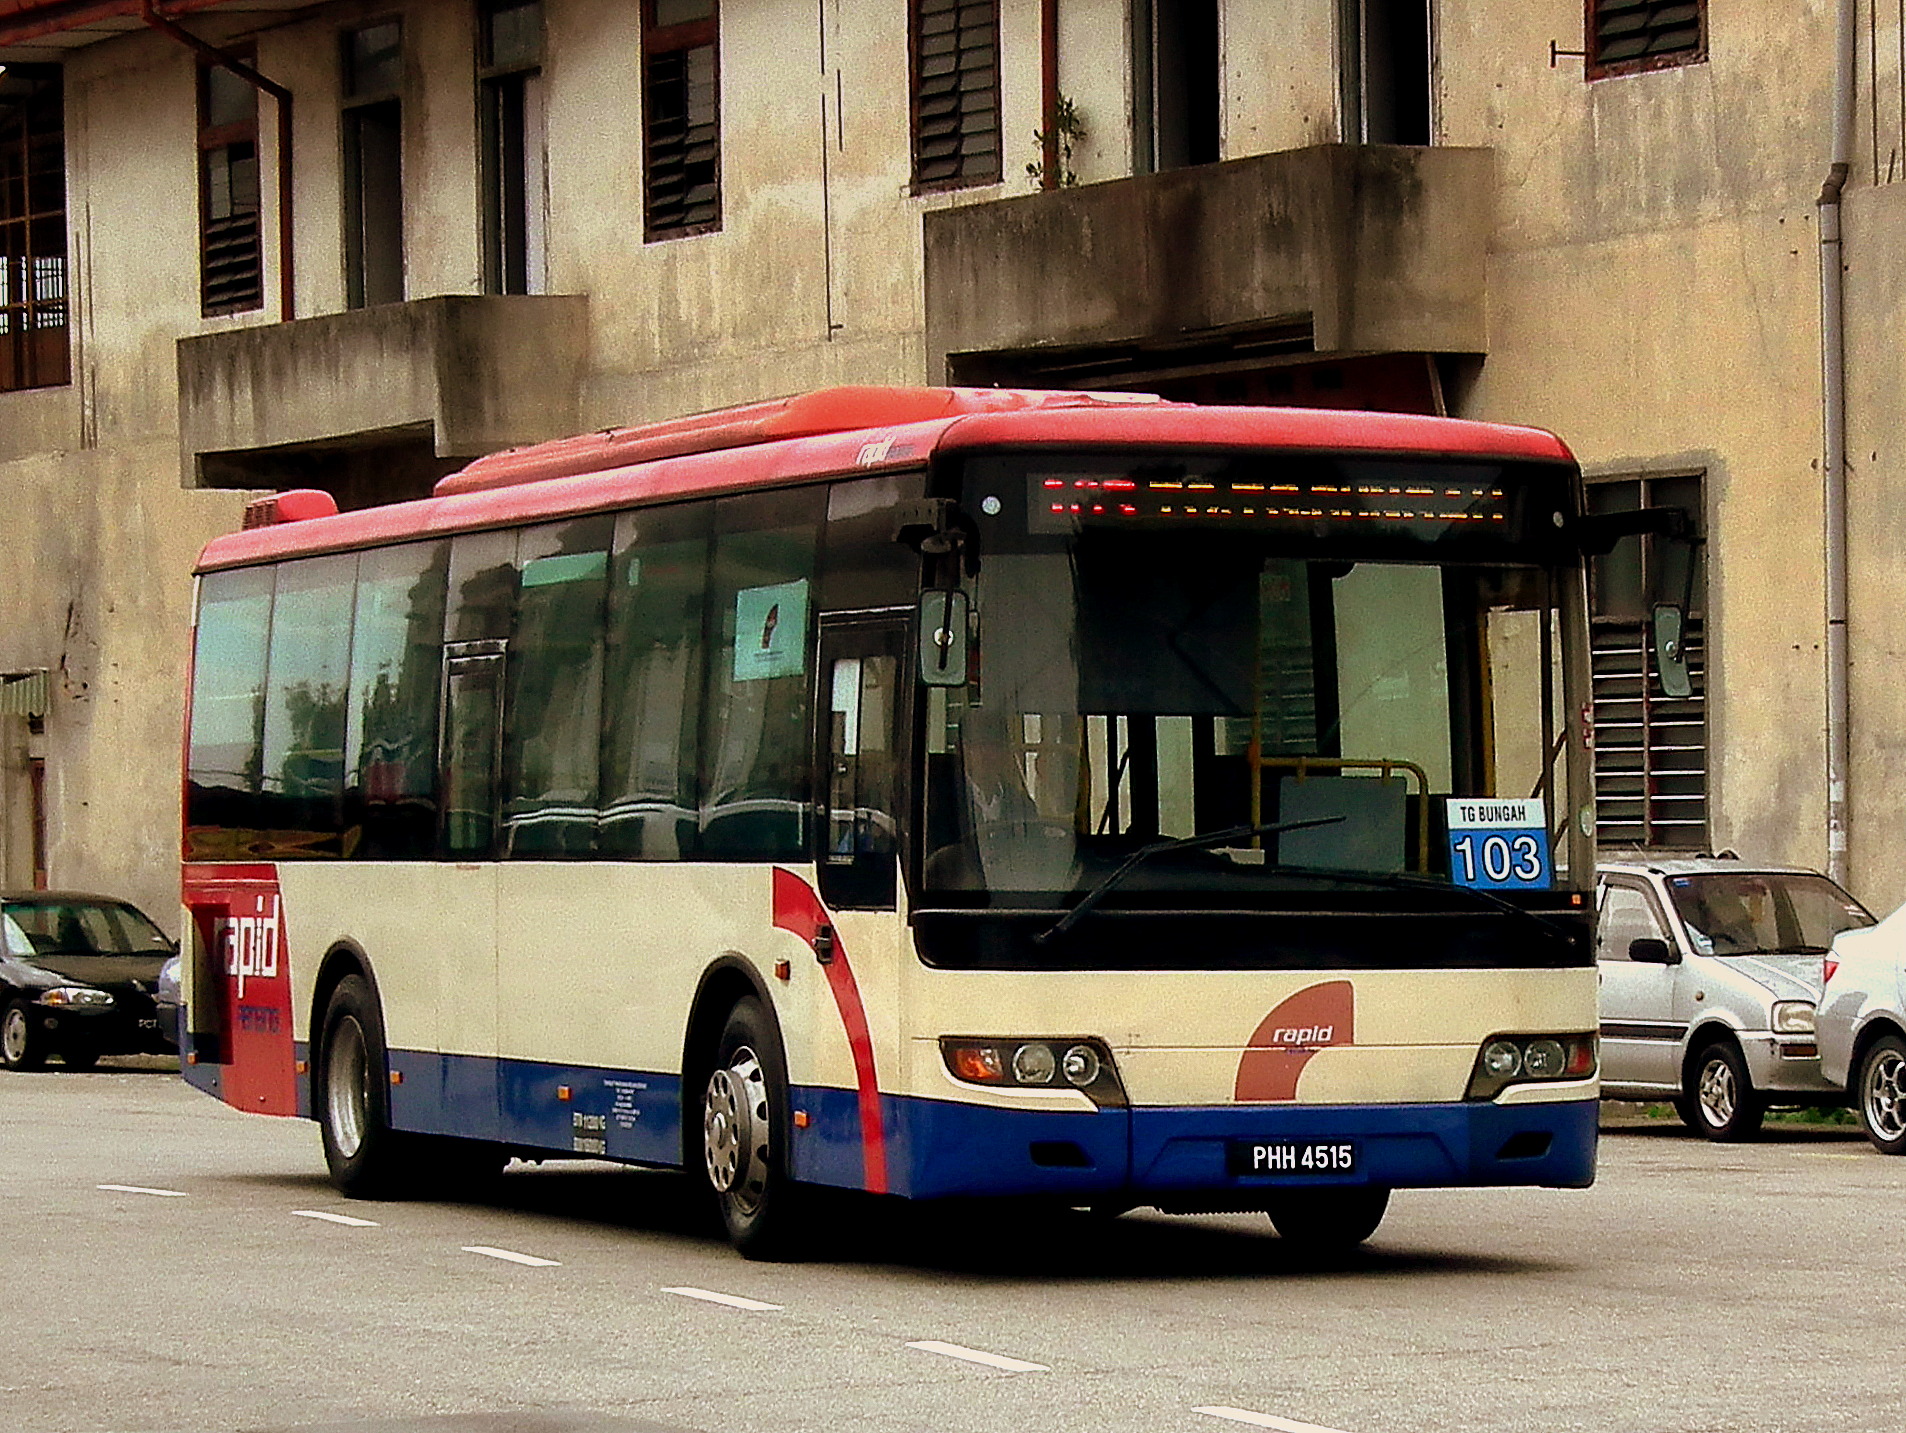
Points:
(67, 996)
(1530, 1059)
(1793, 1017)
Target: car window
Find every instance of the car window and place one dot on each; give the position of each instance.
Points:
(12, 939)
(1754, 912)
(86, 928)
(1627, 915)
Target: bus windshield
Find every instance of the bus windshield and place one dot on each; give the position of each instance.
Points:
(1161, 672)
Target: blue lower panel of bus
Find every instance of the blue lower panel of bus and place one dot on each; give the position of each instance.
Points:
(940, 1148)
(1185, 1154)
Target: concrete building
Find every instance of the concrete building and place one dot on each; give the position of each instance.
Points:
(255, 244)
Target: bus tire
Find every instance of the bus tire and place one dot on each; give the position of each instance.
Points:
(1718, 1098)
(1327, 1220)
(367, 1158)
(744, 1123)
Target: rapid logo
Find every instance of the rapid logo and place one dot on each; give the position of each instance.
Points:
(252, 942)
(1287, 1039)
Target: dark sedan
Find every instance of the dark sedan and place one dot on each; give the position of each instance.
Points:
(77, 978)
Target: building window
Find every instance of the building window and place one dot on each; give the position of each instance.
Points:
(681, 110)
(1176, 84)
(1386, 71)
(955, 93)
(1651, 764)
(231, 269)
(510, 93)
(33, 318)
(373, 123)
(1626, 37)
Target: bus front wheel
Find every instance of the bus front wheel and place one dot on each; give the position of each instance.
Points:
(1328, 1220)
(744, 1136)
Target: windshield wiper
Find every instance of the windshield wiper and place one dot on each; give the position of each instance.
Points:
(1158, 848)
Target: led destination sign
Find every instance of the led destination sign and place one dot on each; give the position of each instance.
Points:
(1425, 509)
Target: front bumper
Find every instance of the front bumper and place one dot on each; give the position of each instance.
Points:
(1177, 1158)
(1786, 1065)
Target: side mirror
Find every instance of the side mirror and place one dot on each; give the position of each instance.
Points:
(1650, 950)
(1671, 652)
(940, 628)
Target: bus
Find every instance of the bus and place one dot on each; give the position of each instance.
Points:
(939, 793)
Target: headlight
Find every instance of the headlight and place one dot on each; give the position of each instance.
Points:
(1018, 1063)
(1530, 1059)
(75, 995)
(1793, 1017)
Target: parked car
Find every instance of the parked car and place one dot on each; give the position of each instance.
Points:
(165, 997)
(1862, 1027)
(77, 976)
(1711, 970)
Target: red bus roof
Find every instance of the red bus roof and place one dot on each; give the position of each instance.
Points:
(844, 431)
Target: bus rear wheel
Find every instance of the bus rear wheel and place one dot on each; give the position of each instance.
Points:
(367, 1158)
(744, 1124)
(1328, 1220)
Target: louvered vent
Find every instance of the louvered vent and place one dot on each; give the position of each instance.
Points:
(1641, 34)
(683, 188)
(956, 92)
(1650, 750)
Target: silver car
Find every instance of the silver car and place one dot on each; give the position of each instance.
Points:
(1862, 1027)
(1711, 970)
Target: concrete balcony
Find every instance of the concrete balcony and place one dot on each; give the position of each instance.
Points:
(1337, 249)
(442, 379)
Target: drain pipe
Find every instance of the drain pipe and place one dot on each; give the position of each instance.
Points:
(1833, 456)
(281, 99)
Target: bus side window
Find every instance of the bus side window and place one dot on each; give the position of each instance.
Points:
(857, 866)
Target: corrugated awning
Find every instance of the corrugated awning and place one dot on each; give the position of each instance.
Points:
(23, 693)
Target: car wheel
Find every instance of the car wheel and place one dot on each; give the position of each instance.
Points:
(1882, 1092)
(744, 1137)
(79, 1057)
(22, 1046)
(1718, 1099)
(1327, 1220)
(367, 1158)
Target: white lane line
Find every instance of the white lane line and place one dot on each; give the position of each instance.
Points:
(1262, 1420)
(329, 1218)
(141, 1189)
(732, 1301)
(974, 1355)
(511, 1256)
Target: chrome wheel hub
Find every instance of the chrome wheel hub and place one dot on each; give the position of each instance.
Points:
(14, 1035)
(1718, 1095)
(735, 1131)
(1884, 1098)
(347, 1091)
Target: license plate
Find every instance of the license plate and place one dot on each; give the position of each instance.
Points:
(1293, 1158)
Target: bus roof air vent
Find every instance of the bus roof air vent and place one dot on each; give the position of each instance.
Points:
(296, 505)
(805, 415)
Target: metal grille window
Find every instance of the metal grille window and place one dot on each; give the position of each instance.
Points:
(231, 265)
(955, 93)
(1651, 764)
(681, 107)
(33, 300)
(1628, 36)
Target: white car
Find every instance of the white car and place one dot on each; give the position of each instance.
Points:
(1862, 1027)
(1710, 972)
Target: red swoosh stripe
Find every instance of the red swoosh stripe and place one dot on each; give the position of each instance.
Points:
(798, 909)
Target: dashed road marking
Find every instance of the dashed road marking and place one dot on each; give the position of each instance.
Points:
(512, 1257)
(974, 1355)
(732, 1301)
(141, 1189)
(347, 1219)
(1262, 1420)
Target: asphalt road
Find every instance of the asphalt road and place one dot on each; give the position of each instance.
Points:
(171, 1266)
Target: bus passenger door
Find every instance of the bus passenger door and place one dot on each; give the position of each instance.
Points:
(855, 1057)
(464, 940)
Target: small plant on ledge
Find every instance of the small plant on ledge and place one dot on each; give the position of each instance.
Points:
(1069, 129)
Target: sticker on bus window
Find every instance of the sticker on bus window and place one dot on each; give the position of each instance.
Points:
(1499, 845)
(771, 631)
